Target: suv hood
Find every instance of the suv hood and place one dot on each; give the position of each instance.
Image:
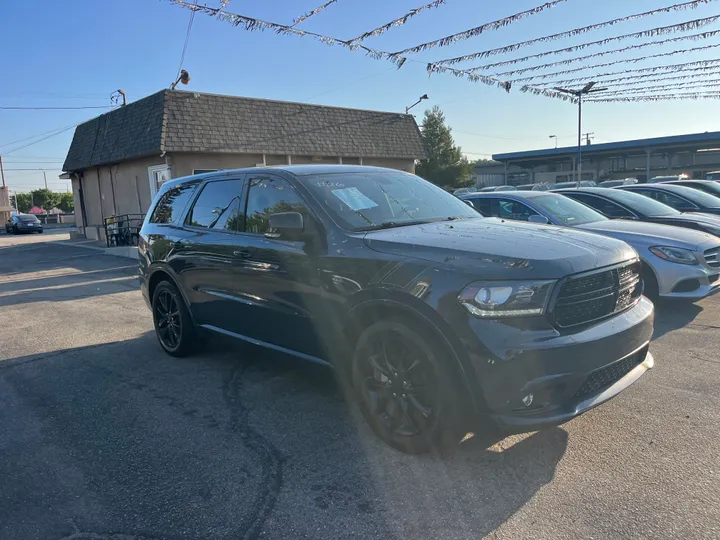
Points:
(639, 234)
(498, 249)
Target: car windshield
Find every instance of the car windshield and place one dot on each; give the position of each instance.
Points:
(376, 200)
(700, 198)
(640, 203)
(567, 211)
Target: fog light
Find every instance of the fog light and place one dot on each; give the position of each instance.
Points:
(527, 400)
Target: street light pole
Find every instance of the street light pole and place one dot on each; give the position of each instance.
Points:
(424, 96)
(554, 137)
(578, 94)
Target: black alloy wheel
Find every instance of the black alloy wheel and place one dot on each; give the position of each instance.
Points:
(403, 390)
(173, 325)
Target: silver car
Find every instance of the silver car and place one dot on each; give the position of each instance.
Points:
(677, 262)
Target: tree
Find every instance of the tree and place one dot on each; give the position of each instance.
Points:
(23, 202)
(66, 203)
(445, 165)
(45, 199)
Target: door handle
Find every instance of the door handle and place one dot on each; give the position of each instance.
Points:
(242, 253)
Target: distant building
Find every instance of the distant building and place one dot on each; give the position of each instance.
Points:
(118, 160)
(694, 154)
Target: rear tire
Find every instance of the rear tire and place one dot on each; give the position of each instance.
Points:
(406, 388)
(174, 327)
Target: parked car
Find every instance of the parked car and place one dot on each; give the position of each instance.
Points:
(464, 191)
(621, 204)
(676, 262)
(681, 198)
(434, 315)
(497, 188)
(21, 223)
(670, 178)
(564, 185)
(713, 188)
(713, 175)
(614, 183)
(533, 187)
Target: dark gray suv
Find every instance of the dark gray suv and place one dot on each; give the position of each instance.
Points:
(438, 319)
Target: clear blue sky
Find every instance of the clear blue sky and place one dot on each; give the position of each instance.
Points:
(76, 52)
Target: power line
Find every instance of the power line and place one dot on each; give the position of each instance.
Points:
(187, 37)
(41, 140)
(54, 108)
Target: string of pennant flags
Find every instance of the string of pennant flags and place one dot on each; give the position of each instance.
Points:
(538, 80)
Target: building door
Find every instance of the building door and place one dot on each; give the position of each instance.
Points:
(159, 174)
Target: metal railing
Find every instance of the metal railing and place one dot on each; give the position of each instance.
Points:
(123, 230)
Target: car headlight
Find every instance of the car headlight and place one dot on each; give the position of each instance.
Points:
(673, 254)
(507, 298)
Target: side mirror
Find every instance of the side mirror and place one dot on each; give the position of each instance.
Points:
(469, 203)
(288, 225)
(538, 219)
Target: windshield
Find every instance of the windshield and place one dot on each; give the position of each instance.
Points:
(640, 203)
(567, 211)
(373, 200)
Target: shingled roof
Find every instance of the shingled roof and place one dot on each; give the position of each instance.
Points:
(179, 121)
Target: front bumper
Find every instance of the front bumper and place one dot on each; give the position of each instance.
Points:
(691, 282)
(567, 372)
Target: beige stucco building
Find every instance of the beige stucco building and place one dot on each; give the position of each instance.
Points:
(118, 160)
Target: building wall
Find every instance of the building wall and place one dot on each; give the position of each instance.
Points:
(184, 164)
(111, 190)
(76, 200)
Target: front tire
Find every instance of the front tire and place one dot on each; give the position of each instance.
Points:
(173, 326)
(405, 388)
(16, 230)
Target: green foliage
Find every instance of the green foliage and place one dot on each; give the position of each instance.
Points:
(45, 199)
(445, 165)
(66, 203)
(23, 202)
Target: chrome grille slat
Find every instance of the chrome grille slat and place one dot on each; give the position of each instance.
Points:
(712, 257)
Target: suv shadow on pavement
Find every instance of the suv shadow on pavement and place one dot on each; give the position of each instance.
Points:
(120, 439)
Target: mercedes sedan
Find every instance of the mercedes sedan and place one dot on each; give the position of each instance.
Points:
(676, 262)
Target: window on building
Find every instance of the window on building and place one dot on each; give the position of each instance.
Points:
(171, 205)
(218, 206)
(269, 196)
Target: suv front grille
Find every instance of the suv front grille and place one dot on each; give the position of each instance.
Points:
(602, 378)
(590, 297)
(711, 257)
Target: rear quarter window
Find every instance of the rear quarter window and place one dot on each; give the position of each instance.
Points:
(171, 205)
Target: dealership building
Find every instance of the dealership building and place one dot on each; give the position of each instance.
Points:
(695, 154)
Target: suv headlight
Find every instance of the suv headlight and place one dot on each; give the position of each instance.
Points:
(497, 299)
(673, 254)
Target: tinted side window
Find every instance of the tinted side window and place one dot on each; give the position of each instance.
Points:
(667, 198)
(269, 196)
(609, 208)
(218, 206)
(509, 209)
(482, 206)
(171, 204)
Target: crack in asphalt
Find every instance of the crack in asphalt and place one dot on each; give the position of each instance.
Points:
(269, 456)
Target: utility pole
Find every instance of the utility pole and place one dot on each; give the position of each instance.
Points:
(587, 89)
(588, 137)
(45, 177)
(2, 172)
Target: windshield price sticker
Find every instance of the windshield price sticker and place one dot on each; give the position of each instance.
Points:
(354, 198)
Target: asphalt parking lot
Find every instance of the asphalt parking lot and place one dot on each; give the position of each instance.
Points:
(103, 436)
